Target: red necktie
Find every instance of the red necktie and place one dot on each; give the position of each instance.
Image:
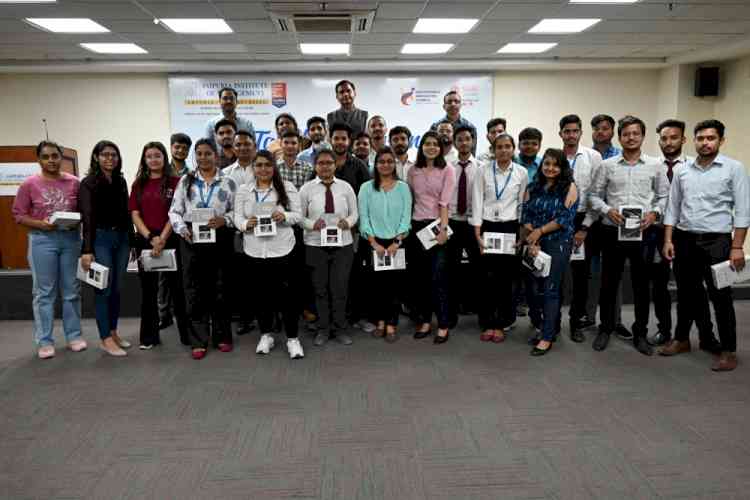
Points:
(670, 166)
(462, 188)
(329, 199)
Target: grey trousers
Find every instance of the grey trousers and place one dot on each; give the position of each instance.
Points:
(329, 270)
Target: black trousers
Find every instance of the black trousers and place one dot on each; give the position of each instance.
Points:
(301, 290)
(496, 308)
(614, 255)
(329, 268)
(164, 297)
(580, 274)
(270, 292)
(461, 280)
(206, 268)
(659, 273)
(382, 290)
(150, 281)
(428, 272)
(694, 256)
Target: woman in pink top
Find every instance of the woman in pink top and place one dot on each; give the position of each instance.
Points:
(53, 248)
(432, 182)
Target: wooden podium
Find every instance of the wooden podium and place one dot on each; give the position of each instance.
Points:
(13, 236)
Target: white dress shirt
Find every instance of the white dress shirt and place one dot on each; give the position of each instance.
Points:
(509, 183)
(402, 168)
(240, 175)
(585, 163)
(618, 183)
(245, 206)
(313, 201)
(451, 156)
(471, 171)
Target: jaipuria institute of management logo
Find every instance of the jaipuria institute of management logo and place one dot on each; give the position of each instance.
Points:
(278, 94)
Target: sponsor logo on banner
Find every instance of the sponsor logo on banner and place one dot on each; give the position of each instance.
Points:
(278, 94)
(407, 96)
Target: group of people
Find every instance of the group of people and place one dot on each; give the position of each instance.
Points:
(296, 230)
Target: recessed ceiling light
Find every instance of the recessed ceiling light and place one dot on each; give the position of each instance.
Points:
(442, 25)
(197, 26)
(562, 26)
(426, 48)
(604, 1)
(67, 25)
(525, 48)
(114, 48)
(217, 48)
(324, 48)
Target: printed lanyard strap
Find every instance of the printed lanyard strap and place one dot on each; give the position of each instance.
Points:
(499, 192)
(261, 200)
(205, 201)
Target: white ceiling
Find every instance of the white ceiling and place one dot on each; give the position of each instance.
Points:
(648, 31)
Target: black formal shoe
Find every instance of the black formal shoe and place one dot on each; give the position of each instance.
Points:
(659, 338)
(712, 346)
(540, 352)
(585, 323)
(577, 336)
(165, 322)
(623, 333)
(420, 335)
(642, 346)
(441, 340)
(245, 327)
(601, 341)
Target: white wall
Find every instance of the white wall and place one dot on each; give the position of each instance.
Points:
(732, 107)
(541, 98)
(83, 109)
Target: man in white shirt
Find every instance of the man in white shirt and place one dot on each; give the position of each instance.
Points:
(399, 138)
(228, 100)
(242, 169)
(459, 211)
(377, 130)
(636, 183)
(495, 127)
(445, 132)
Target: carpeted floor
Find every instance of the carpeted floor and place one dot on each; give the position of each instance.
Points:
(412, 420)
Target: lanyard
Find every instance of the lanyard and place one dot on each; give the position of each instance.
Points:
(205, 201)
(573, 165)
(499, 193)
(261, 200)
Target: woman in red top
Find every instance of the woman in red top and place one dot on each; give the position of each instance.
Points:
(150, 199)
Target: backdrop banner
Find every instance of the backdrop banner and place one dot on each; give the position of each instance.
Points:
(415, 102)
(12, 176)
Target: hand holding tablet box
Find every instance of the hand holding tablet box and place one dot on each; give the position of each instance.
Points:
(65, 220)
(539, 265)
(500, 243)
(724, 276)
(630, 230)
(265, 226)
(166, 261)
(97, 275)
(428, 235)
(330, 234)
(386, 262)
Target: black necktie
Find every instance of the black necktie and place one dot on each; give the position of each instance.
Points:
(462, 188)
(329, 199)
(670, 166)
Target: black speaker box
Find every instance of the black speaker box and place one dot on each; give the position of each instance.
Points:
(706, 82)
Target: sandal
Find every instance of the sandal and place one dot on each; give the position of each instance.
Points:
(498, 337)
(391, 335)
(487, 335)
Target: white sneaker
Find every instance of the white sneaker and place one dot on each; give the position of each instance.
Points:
(46, 352)
(366, 326)
(146, 347)
(295, 349)
(265, 345)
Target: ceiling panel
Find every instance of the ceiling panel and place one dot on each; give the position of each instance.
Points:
(399, 10)
(242, 10)
(181, 9)
(252, 26)
(460, 9)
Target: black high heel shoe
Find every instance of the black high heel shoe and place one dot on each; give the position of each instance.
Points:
(420, 335)
(540, 352)
(441, 340)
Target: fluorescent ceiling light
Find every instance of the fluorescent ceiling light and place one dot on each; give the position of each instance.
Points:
(114, 48)
(217, 48)
(525, 48)
(563, 26)
(67, 25)
(441, 25)
(197, 26)
(604, 1)
(28, 1)
(324, 48)
(426, 48)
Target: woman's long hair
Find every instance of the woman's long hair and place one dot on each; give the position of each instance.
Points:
(276, 180)
(564, 180)
(95, 169)
(192, 175)
(439, 162)
(385, 150)
(144, 174)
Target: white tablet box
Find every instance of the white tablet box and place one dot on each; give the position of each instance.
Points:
(387, 262)
(630, 230)
(578, 252)
(166, 261)
(500, 243)
(66, 220)
(724, 276)
(97, 275)
(202, 233)
(331, 235)
(540, 264)
(428, 235)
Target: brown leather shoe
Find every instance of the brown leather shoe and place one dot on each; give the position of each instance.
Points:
(675, 347)
(726, 362)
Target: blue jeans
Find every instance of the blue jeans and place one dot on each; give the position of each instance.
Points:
(548, 289)
(111, 249)
(53, 259)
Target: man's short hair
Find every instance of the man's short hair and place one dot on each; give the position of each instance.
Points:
(595, 121)
(628, 120)
(399, 129)
(706, 124)
(180, 138)
(362, 135)
(495, 122)
(316, 119)
(341, 126)
(290, 133)
(223, 123)
(443, 122)
(530, 134)
(245, 133)
(344, 82)
(568, 119)
(671, 123)
(461, 129)
(451, 92)
(227, 89)
(374, 118)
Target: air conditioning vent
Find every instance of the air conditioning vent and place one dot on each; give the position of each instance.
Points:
(324, 22)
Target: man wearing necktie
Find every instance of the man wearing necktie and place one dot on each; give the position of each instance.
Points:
(461, 284)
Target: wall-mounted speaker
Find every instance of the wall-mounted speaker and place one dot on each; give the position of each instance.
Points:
(707, 82)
